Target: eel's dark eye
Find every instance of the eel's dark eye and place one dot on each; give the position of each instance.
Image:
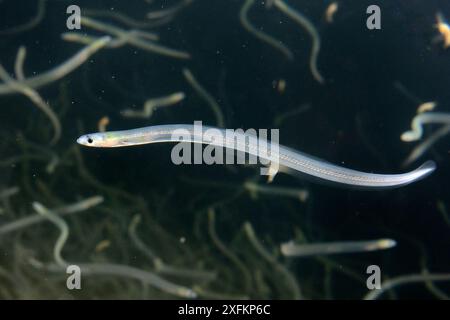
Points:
(89, 140)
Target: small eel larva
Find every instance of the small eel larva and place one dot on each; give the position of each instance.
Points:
(287, 158)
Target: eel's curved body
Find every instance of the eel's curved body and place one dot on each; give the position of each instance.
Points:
(286, 157)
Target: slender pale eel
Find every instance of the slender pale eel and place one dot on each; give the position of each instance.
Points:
(287, 158)
(291, 249)
(424, 118)
(276, 44)
(311, 29)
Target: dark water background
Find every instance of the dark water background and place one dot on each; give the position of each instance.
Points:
(355, 119)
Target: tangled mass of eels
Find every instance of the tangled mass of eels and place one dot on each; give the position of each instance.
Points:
(151, 233)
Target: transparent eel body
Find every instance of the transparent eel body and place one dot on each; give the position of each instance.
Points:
(288, 159)
(291, 249)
